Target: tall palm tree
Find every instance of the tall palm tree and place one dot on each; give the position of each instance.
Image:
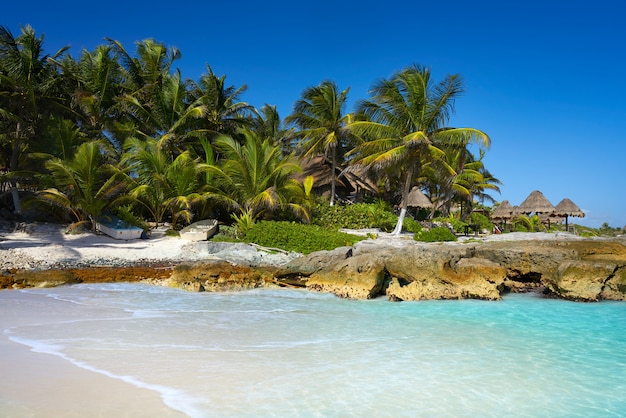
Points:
(225, 112)
(323, 124)
(84, 185)
(268, 124)
(254, 179)
(407, 117)
(95, 82)
(28, 94)
(168, 116)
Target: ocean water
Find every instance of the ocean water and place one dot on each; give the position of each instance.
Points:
(278, 353)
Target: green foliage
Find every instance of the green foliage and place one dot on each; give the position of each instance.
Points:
(126, 214)
(243, 223)
(291, 236)
(411, 225)
(437, 234)
(457, 224)
(482, 221)
(357, 216)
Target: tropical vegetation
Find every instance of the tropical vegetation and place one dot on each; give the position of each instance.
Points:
(124, 132)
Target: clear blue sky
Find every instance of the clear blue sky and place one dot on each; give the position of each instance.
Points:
(545, 79)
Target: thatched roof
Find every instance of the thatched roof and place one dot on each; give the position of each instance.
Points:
(568, 208)
(417, 199)
(355, 177)
(504, 211)
(320, 169)
(537, 203)
(359, 178)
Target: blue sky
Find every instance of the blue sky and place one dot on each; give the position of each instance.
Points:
(544, 79)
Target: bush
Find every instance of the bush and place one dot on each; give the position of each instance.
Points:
(435, 235)
(291, 236)
(411, 225)
(482, 221)
(357, 216)
(457, 224)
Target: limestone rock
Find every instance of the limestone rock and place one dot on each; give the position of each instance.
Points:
(217, 276)
(357, 277)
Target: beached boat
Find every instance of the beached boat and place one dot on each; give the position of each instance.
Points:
(200, 231)
(116, 228)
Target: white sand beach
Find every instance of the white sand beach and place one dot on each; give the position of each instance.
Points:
(49, 246)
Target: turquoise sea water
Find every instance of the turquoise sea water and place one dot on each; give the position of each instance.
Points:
(295, 353)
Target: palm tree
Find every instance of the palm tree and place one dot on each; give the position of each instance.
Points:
(225, 113)
(254, 179)
(28, 94)
(168, 116)
(406, 123)
(451, 178)
(85, 185)
(324, 126)
(268, 124)
(161, 185)
(95, 82)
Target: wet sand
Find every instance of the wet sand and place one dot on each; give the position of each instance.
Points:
(35, 384)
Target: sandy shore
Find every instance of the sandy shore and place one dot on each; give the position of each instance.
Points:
(49, 246)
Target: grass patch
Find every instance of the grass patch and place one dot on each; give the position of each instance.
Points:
(298, 237)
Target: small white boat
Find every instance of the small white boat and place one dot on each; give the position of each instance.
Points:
(200, 231)
(116, 228)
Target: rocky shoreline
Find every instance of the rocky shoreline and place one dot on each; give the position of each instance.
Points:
(560, 266)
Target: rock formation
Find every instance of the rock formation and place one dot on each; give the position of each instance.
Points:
(582, 270)
(579, 270)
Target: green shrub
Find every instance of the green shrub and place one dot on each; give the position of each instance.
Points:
(435, 235)
(411, 225)
(482, 221)
(357, 216)
(291, 236)
(457, 224)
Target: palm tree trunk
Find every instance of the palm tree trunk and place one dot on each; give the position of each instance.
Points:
(15, 158)
(332, 176)
(405, 201)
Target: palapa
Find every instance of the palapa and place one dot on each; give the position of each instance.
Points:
(417, 199)
(567, 208)
(503, 212)
(536, 203)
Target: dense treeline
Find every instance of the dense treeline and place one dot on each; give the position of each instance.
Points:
(124, 132)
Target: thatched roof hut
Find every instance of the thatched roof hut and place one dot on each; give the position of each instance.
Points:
(353, 179)
(503, 212)
(417, 199)
(536, 203)
(566, 208)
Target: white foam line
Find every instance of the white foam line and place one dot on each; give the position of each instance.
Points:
(175, 399)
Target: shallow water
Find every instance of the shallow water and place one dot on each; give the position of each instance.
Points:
(297, 353)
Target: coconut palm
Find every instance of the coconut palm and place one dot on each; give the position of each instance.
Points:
(85, 185)
(28, 94)
(161, 185)
(254, 179)
(95, 82)
(407, 118)
(457, 177)
(168, 116)
(323, 124)
(225, 113)
(268, 124)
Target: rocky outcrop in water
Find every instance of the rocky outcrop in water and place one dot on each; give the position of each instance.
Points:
(581, 270)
